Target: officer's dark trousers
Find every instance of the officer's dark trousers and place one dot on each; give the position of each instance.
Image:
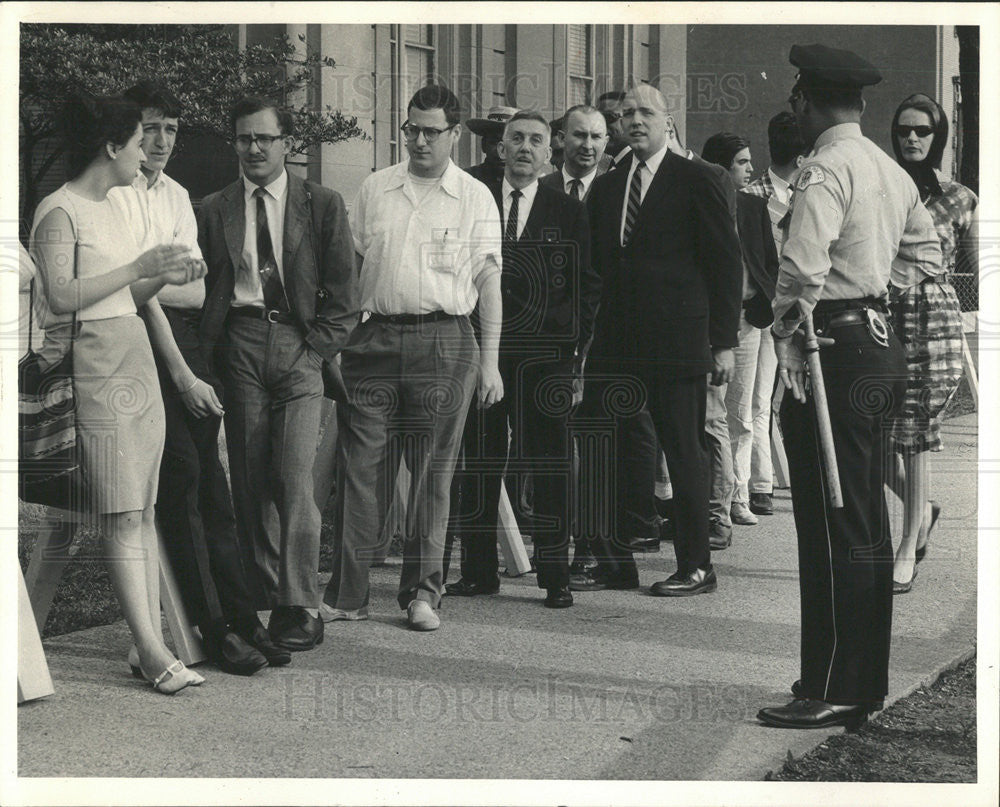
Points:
(194, 510)
(845, 555)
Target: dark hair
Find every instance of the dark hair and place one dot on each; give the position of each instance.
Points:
(526, 114)
(784, 140)
(249, 104)
(89, 122)
(613, 95)
(149, 94)
(939, 122)
(922, 173)
(437, 96)
(835, 97)
(721, 148)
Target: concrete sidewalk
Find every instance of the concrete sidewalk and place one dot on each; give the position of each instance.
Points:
(621, 686)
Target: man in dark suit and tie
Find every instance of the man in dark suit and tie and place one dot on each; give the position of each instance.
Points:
(584, 135)
(549, 296)
(281, 298)
(672, 274)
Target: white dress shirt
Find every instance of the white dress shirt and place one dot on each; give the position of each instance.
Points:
(587, 181)
(248, 290)
(523, 206)
(777, 205)
(424, 254)
(161, 213)
(649, 170)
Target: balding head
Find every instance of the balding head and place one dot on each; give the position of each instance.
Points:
(645, 119)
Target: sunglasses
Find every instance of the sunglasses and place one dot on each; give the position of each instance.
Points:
(920, 131)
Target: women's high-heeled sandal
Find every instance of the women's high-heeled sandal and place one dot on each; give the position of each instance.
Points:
(196, 680)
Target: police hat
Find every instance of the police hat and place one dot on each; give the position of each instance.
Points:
(493, 123)
(824, 68)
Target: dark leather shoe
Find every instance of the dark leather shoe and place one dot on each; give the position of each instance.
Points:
(292, 627)
(806, 713)
(261, 639)
(597, 581)
(921, 552)
(467, 588)
(700, 581)
(761, 504)
(583, 557)
(797, 689)
(644, 545)
(558, 598)
(720, 536)
(234, 656)
(905, 588)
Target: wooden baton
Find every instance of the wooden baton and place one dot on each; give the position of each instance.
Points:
(827, 449)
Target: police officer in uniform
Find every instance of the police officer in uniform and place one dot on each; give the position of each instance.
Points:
(854, 212)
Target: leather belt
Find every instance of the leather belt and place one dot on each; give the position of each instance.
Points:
(835, 306)
(268, 315)
(411, 319)
(845, 318)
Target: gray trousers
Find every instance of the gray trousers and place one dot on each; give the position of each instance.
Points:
(409, 389)
(274, 389)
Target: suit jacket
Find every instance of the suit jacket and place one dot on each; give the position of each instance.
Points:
(486, 173)
(760, 256)
(550, 290)
(555, 181)
(320, 278)
(674, 291)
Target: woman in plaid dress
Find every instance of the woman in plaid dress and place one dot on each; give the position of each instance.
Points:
(928, 320)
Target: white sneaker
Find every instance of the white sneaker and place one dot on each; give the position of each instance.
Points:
(741, 514)
(330, 614)
(421, 616)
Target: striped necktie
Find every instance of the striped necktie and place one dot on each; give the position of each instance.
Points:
(634, 200)
(510, 231)
(267, 266)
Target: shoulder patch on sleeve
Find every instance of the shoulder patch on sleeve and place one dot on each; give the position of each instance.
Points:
(811, 175)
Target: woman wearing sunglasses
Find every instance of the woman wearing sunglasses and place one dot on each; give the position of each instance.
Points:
(928, 321)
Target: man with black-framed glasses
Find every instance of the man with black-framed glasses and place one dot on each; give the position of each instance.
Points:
(427, 236)
(281, 298)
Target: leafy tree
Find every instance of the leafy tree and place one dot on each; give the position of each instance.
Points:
(201, 64)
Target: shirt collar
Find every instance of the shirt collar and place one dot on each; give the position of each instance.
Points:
(838, 132)
(586, 179)
(653, 163)
(783, 186)
(276, 188)
(527, 193)
(140, 182)
(451, 181)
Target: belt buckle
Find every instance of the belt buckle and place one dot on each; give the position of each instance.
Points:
(877, 328)
(271, 315)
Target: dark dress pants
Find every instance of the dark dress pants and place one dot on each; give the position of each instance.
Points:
(194, 510)
(845, 555)
(274, 393)
(534, 411)
(612, 437)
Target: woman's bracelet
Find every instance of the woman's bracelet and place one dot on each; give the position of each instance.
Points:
(190, 386)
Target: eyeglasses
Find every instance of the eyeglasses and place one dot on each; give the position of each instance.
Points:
(263, 141)
(904, 131)
(411, 132)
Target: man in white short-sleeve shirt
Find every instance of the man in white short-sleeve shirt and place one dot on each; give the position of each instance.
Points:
(427, 236)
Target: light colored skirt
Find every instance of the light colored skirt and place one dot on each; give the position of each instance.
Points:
(120, 418)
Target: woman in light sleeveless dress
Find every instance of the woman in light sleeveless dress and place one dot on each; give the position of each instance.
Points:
(120, 417)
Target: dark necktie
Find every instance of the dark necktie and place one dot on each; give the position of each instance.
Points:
(267, 266)
(634, 199)
(510, 231)
(576, 188)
